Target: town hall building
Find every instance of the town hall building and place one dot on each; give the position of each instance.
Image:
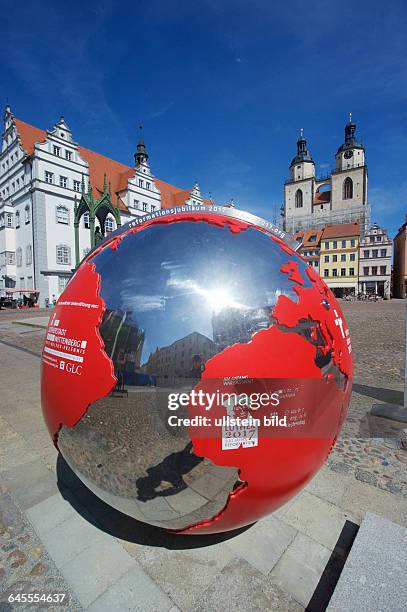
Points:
(55, 196)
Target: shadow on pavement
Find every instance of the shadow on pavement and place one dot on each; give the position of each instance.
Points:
(121, 526)
(392, 396)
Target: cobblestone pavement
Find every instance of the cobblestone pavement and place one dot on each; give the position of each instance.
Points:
(370, 447)
(25, 566)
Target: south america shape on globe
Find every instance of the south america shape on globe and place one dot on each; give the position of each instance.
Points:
(195, 300)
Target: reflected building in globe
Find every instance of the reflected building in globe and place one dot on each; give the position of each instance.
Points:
(184, 358)
(123, 340)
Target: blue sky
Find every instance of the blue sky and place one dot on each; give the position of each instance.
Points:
(221, 88)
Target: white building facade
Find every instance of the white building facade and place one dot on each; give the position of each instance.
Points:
(42, 175)
(341, 197)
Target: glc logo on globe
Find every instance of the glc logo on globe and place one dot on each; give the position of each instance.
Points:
(205, 400)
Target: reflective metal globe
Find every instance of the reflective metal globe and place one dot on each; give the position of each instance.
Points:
(185, 315)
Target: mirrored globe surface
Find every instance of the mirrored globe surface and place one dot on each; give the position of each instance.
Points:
(192, 314)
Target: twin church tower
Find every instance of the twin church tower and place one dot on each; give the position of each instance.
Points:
(311, 202)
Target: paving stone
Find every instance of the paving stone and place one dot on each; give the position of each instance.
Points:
(329, 485)
(300, 568)
(95, 569)
(68, 539)
(133, 592)
(263, 544)
(182, 574)
(49, 513)
(30, 482)
(240, 587)
(374, 576)
(317, 518)
(361, 498)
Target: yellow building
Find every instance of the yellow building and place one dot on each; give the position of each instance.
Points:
(339, 258)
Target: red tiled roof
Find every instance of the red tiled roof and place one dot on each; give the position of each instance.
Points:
(341, 230)
(321, 197)
(117, 174)
(305, 235)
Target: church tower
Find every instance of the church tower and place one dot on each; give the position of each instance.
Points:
(299, 189)
(349, 179)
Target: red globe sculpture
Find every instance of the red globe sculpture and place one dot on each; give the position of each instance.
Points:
(196, 371)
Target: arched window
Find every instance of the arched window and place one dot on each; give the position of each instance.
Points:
(28, 255)
(63, 254)
(19, 257)
(298, 198)
(27, 214)
(347, 188)
(86, 221)
(62, 215)
(17, 219)
(109, 225)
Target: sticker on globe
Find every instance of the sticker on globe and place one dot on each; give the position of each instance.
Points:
(235, 430)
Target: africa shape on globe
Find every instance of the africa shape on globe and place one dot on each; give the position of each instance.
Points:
(196, 303)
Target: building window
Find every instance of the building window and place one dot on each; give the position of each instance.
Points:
(19, 257)
(335, 244)
(327, 245)
(153, 208)
(136, 203)
(383, 270)
(352, 257)
(63, 181)
(334, 272)
(371, 238)
(68, 155)
(140, 183)
(383, 252)
(366, 254)
(76, 185)
(49, 177)
(62, 283)
(144, 207)
(343, 244)
(347, 188)
(109, 225)
(326, 258)
(334, 258)
(375, 253)
(374, 270)
(22, 282)
(63, 254)
(313, 238)
(57, 151)
(351, 271)
(326, 273)
(316, 263)
(298, 198)
(10, 259)
(352, 242)
(343, 271)
(343, 257)
(27, 214)
(62, 215)
(17, 219)
(148, 185)
(86, 220)
(9, 220)
(28, 255)
(366, 270)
